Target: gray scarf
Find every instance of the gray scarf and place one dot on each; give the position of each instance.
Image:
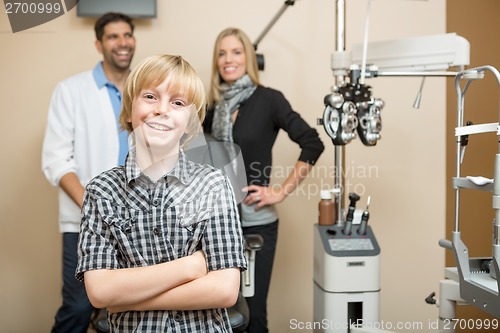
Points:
(232, 97)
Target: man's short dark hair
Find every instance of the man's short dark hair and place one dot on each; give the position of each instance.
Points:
(108, 18)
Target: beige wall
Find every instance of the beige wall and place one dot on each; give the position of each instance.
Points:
(408, 192)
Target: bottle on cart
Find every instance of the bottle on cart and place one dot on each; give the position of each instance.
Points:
(326, 208)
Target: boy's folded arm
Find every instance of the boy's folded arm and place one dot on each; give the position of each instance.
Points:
(218, 289)
(107, 288)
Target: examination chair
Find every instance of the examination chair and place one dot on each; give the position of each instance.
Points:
(238, 314)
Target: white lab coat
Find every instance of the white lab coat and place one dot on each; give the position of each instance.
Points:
(81, 137)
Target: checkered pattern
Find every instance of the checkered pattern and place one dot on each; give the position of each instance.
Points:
(130, 221)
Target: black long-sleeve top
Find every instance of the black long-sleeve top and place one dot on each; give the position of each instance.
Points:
(256, 127)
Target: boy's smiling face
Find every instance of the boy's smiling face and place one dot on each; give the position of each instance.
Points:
(160, 117)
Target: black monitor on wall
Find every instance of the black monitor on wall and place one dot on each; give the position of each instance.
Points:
(132, 8)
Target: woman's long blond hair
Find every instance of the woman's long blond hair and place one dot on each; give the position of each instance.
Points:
(251, 65)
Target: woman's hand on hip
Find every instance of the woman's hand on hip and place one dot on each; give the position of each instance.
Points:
(263, 195)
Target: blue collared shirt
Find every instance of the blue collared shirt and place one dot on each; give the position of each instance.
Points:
(116, 101)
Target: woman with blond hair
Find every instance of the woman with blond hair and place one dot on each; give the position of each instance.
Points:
(243, 111)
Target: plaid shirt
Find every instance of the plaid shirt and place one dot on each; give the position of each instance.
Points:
(130, 221)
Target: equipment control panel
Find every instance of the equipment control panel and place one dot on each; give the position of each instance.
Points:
(337, 243)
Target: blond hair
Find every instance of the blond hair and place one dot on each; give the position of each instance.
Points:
(251, 65)
(182, 77)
